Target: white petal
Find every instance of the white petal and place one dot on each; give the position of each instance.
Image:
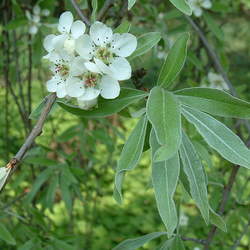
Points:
(92, 67)
(197, 12)
(110, 88)
(103, 67)
(90, 94)
(121, 69)
(33, 29)
(206, 4)
(74, 87)
(28, 15)
(123, 45)
(58, 41)
(45, 12)
(36, 19)
(61, 91)
(78, 28)
(48, 42)
(65, 22)
(77, 66)
(52, 84)
(54, 57)
(84, 47)
(87, 104)
(100, 33)
(36, 10)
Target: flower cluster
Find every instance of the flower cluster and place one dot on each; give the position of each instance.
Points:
(216, 81)
(87, 65)
(34, 18)
(198, 5)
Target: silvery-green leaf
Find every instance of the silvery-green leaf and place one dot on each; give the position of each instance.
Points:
(130, 156)
(163, 111)
(132, 244)
(165, 175)
(195, 174)
(4, 173)
(174, 62)
(183, 6)
(219, 137)
(217, 220)
(131, 4)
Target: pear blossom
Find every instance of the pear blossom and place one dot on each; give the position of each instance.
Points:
(198, 5)
(183, 221)
(69, 31)
(35, 18)
(216, 81)
(107, 51)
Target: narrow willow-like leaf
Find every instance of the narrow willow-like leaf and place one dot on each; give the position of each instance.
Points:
(94, 4)
(130, 156)
(107, 107)
(145, 43)
(173, 244)
(194, 171)
(174, 62)
(183, 6)
(165, 177)
(219, 137)
(217, 220)
(131, 4)
(215, 102)
(163, 111)
(124, 27)
(6, 235)
(132, 244)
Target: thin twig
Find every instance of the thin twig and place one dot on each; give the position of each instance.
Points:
(36, 131)
(79, 12)
(213, 55)
(199, 241)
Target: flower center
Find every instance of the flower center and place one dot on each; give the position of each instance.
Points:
(69, 45)
(63, 70)
(90, 79)
(104, 54)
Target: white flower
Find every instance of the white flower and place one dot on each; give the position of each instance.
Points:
(107, 50)
(198, 5)
(35, 18)
(183, 221)
(69, 30)
(197, 248)
(217, 81)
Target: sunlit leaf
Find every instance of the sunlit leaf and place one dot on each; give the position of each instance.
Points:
(182, 5)
(131, 4)
(165, 175)
(219, 137)
(163, 111)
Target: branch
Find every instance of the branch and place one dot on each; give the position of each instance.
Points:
(213, 55)
(199, 241)
(79, 12)
(36, 131)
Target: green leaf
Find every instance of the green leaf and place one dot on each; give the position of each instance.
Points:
(132, 244)
(194, 171)
(124, 27)
(145, 43)
(173, 244)
(174, 62)
(219, 137)
(215, 102)
(27, 245)
(165, 177)
(130, 156)
(183, 6)
(35, 114)
(163, 111)
(217, 220)
(44, 176)
(94, 4)
(16, 23)
(65, 190)
(107, 107)
(131, 4)
(6, 236)
(213, 26)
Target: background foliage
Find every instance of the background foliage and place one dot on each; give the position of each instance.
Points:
(61, 197)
